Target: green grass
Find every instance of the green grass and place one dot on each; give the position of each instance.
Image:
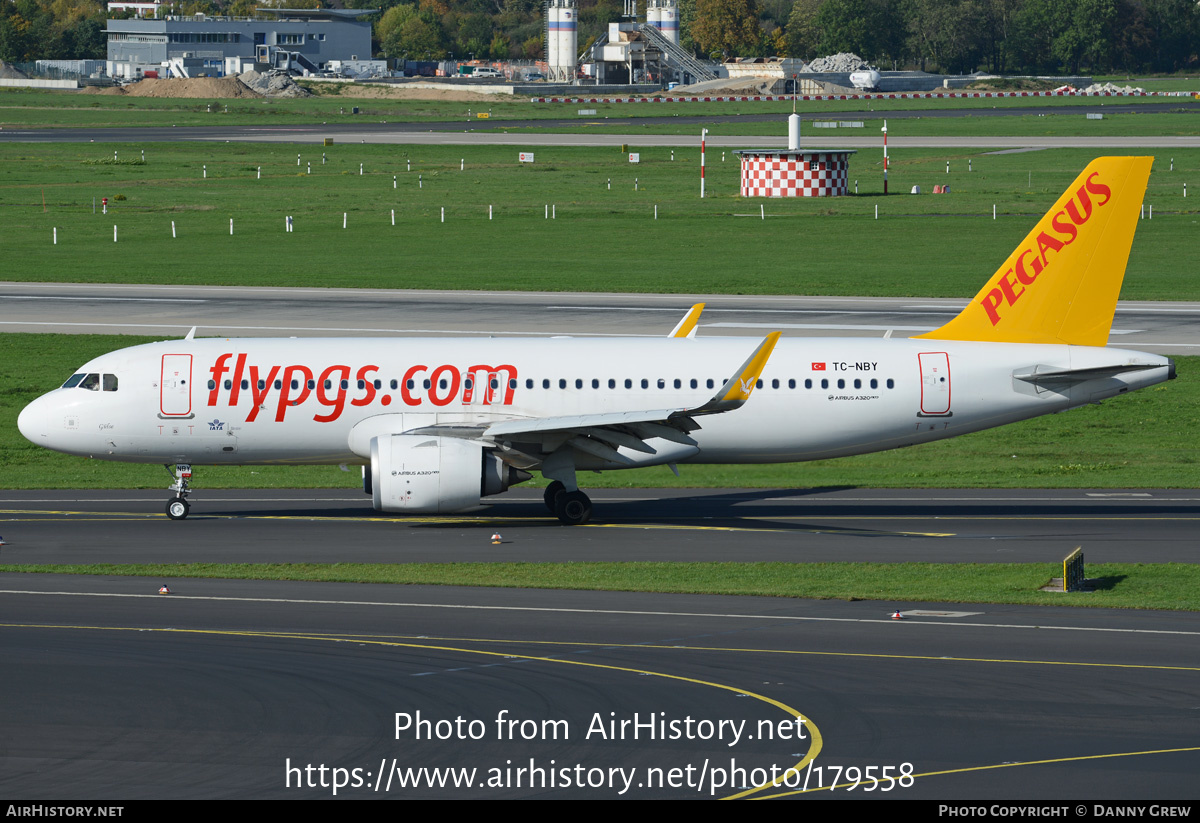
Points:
(1173, 586)
(1145, 439)
(604, 239)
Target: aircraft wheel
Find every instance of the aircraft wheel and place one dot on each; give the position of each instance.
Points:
(552, 492)
(177, 508)
(573, 508)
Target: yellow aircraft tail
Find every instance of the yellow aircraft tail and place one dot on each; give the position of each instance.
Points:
(1061, 283)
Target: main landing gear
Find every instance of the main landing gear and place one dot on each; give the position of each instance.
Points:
(572, 508)
(177, 506)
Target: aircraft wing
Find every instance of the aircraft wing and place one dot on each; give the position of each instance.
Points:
(602, 433)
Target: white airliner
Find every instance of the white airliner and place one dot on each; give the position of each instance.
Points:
(438, 424)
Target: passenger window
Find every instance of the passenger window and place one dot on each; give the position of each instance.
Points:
(710, 382)
(312, 384)
(808, 382)
(628, 383)
(546, 383)
(394, 384)
(246, 384)
(774, 384)
(595, 383)
(379, 384)
(874, 383)
(791, 382)
(857, 383)
(612, 384)
(529, 384)
(512, 382)
(229, 384)
(678, 383)
(212, 384)
(841, 383)
(645, 383)
(72, 381)
(346, 384)
(562, 384)
(578, 383)
(891, 384)
(262, 384)
(295, 385)
(824, 383)
(758, 384)
(662, 384)
(278, 385)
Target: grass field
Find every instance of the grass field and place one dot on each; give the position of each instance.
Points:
(1144, 439)
(1173, 586)
(717, 245)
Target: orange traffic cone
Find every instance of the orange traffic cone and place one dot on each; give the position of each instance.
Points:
(496, 538)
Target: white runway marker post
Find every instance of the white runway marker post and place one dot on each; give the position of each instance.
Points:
(56, 236)
(343, 220)
(231, 227)
(393, 217)
(114, 234)
(172, 229)
(443, 214)
(259, 177)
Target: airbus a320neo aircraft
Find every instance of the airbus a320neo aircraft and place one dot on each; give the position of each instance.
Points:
(438, 424)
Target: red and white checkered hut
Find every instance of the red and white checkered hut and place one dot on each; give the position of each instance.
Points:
(795, 172)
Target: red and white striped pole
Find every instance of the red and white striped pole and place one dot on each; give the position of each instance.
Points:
(703, 133)
(885, 157)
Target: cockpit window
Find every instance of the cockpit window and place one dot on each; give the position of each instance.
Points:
(91, 382)
(73, 381)
(110, 382)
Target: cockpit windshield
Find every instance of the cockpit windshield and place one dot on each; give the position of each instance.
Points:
(91, 382)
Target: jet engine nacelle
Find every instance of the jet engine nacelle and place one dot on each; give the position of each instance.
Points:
(426, 474)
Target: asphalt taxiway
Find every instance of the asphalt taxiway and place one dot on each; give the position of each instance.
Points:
(261, 689)
(710, 525)
(221, 311)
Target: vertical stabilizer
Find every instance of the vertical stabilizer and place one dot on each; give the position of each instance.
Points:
(1061, 283)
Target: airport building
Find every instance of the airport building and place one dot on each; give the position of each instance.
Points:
(300, 40)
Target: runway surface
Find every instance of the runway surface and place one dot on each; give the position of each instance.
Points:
(1159, 327)
(253, 689)
(784, 525)
(675, 114)
(467, 133)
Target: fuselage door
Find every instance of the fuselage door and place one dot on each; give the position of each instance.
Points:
(935, 384)
(175, 387)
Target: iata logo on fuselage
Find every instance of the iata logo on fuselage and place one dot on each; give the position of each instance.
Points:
(1030, 262)
(331, 387)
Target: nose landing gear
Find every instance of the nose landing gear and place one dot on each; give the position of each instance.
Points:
(177, 506)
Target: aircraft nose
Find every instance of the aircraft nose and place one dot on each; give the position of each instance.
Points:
(31, 422)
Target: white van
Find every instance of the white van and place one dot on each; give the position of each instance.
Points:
(486, 71)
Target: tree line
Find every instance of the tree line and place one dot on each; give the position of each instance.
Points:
(952, 36)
